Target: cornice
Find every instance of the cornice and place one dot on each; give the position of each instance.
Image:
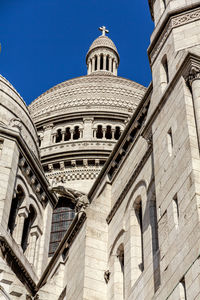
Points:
(172, 20)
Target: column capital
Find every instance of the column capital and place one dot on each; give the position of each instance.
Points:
(23, 212)
(194, 74)
(48, 126)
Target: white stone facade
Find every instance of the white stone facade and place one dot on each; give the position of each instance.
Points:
(134, 223)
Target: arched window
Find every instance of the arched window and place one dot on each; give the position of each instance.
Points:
(164, 72)
(58, 136)
(99, 134)
(16, 203)
(107, 63)
(27, 227)
(108, 134)
(62, 217)
(67, 134)
(76, 134)
(119, 272)
(39, 140)
(138, 213)
(101, 62)
(117, 133)
(95, 66)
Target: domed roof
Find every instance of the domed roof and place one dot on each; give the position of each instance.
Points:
(103, 41)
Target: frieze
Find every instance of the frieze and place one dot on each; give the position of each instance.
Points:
(174, 22)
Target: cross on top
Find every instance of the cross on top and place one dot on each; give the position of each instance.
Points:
(104, 30)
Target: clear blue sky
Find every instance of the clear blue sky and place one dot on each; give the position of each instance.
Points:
(44, 42)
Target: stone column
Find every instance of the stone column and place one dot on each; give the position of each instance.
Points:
(98, 62)
(63, 136)
(104, 62)
(72, 133)
(53, 138)
(47, 135)
(193, 81)
(22, 215)
(113, 134)
(89, 67)
(87, 130)
(104, 133)
(93, 64)
(94, 133)
(32, 247)
(115, 67)
(110, 63)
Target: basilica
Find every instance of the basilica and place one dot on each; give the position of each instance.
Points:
(100, 176)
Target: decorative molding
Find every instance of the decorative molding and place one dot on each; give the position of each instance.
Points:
(173, 22)
(194, 74)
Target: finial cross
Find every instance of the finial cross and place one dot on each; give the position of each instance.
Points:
(104, 30)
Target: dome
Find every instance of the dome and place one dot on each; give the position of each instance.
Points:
(14, 114)
(101, 42)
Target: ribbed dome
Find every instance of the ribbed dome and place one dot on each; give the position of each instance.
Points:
(103, 41)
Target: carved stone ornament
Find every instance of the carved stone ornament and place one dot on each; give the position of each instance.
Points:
(16, 123)
(193, 75)
(79, 199)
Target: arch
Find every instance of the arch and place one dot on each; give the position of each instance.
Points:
(67, 136)
(95, 64)
(108, 134)
(99, 133)
(76, 133)
(117, 133)
(27, 227)
(164, 72)
(15, 205)
(58, 136)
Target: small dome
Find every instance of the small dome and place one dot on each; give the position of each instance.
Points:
(103, 41)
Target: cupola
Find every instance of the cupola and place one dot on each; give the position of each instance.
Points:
(102, 56)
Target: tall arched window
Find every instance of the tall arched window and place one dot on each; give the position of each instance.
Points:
(58, 136)
(27, 227)
(99, 134)
(119, 273)
(62, 217)
(164, 73)
(95, 66)
(76, 134)
(108, 134)
(16, 203)
(136, 240)
(67, 134)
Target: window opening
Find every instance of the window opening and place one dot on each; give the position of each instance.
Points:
(99, 133)
(58, 136)
(170, 141)
(101, 62)
(117, 133)
(175, 211)
(107, 63)
(138, 213)
(76, 134)
(95, 68)
(27, 227)
(16, 203)
(108, 134)
(67, 134)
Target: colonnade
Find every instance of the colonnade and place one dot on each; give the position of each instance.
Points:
(102, 62)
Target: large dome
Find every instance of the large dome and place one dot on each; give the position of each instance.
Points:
(80, 120)
(14, 114)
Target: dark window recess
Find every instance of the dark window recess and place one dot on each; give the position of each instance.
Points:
(67, 134)
(95, 63)
(39, 141)
(27, 227)
(16, 203)
(62, 217)
(58, 136)
(99, 132)
(138, 212)
(107, 63)
(108, 133)
(76, 134)
(101, 62)
(117, 133)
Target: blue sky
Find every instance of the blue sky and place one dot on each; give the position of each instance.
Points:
(44, 42)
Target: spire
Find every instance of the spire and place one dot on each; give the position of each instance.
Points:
(102, 55)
